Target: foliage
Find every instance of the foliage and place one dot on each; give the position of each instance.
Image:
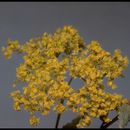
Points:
(48, 58)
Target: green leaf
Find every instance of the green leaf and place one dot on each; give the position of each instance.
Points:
(124, 115)
(73, 123)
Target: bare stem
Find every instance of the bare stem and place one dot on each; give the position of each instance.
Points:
(105, 125)
(59, 115)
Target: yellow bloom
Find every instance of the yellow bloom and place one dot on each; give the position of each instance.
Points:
(17, 106)
(59, 108)
(49, 59)
(34, 121)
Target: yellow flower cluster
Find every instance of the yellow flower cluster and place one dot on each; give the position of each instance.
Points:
(33, 120)
(83, 122)
(48, 58)
(59, 108)
(12, 46)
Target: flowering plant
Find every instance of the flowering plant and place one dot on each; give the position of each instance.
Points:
(48, 58)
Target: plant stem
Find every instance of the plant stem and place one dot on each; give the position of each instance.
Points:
(59, 115)
(57, 121)
(102, 124)
(105, 125)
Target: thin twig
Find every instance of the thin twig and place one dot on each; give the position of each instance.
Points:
(57, 120)
(105, 125)
(102, 124)
(59, 115)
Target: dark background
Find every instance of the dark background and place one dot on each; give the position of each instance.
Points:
(107, 22)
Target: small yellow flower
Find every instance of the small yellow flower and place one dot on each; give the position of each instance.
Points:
(34, 120)
(59, 108)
